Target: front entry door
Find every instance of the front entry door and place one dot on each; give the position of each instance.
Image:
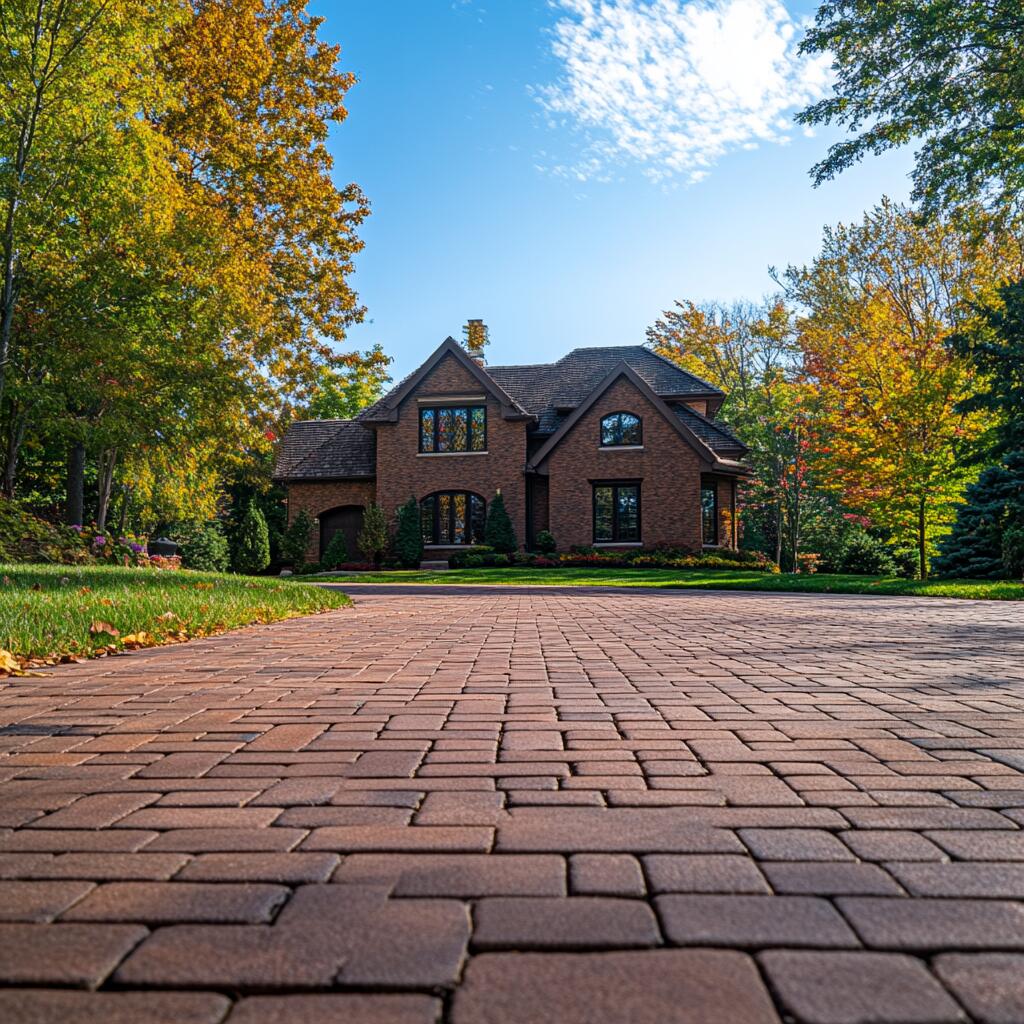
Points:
(347, 520)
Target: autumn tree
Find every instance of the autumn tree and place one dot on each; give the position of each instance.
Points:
(878, 305)
(749, 351)
(347, 383)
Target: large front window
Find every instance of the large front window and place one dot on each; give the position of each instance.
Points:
(709, 513)
(446, 429)
(452, 517)
(616, 513)
(621, 430)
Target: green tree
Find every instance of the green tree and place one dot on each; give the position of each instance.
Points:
(202, 545)
(252, 543)
(945, 71)
(296, 538)
(993, 506)
(347, 384)
(336, 552)
(409, 534)
(373, 537)
(498, 530)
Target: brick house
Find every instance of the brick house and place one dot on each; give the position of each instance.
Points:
(614, 447)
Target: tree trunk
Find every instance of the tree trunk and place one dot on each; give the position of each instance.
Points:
(124, 510)
(75, 501)
(778, 532)
(106, 483)
(921, 553)
(15, 437)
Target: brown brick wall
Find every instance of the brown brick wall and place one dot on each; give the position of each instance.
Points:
(402, 471)
(320, 497)
(668, 468)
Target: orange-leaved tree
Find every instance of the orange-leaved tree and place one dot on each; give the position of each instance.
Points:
(878, 305)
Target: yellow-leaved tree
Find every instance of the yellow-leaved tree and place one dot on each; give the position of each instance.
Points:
(878, 305)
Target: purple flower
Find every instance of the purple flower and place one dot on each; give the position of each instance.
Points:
(137, 548)
(77, 529)
(99, 541)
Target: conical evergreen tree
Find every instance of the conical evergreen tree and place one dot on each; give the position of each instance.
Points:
(252, 542)
(409, 535)
(498, 531)
(993, 508)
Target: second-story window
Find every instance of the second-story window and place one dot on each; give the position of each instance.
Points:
(621, 430)
(453, 428)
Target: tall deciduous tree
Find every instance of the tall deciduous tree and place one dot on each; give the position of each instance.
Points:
(347, 383)
(949, 72)
(750, 352)
(879, 304)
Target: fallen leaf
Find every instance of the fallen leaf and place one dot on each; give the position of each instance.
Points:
(85, 590)
(138, 639)
(106, 601)
(8, 662)
(167, 616)
(100, 627)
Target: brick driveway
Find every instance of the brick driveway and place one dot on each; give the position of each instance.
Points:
(485, 807)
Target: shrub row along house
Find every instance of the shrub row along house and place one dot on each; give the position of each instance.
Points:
(613, 447)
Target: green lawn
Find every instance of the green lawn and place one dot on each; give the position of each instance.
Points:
(717, 579)
(50, 611)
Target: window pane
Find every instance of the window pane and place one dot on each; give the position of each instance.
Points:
(427, 519)
(628, 513)
(610, 430)
(460, 430)
(709, 514)
(603, 512)
(478, 434)
(477, 519)
(629, 429)
(426, 430)
(459, 519)
(444, 513)
(445, 426)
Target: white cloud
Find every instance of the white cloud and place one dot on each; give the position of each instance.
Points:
(675, 85)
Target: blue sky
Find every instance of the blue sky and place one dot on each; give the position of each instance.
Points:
(536, 164)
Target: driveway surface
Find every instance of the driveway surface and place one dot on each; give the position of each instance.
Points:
(514, 807)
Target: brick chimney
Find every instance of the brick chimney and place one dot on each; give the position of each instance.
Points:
(476, 335)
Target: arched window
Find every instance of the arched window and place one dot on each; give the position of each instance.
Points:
(452, 517)
(621, 429)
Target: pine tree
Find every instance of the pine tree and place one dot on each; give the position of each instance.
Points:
(336, 552)
(993, 506)
(252, 542)
(409, 535)
(499, 532)
(373, 537)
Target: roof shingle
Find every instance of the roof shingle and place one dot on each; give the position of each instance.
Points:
(326, 449)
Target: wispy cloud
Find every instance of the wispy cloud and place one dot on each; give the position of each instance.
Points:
(675, 85)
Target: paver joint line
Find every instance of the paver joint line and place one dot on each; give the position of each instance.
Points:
(500, 807)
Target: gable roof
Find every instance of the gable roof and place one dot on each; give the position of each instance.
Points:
(623, 369)
(550, 391)
(326, 450)
(386, 409)
(717, 436)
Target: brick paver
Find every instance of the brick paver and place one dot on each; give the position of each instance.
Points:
(509, 807)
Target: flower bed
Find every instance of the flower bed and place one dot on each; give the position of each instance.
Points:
(641, 558)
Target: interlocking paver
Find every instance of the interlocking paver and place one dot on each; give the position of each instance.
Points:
(582, 922)
(44, 1006)
(859, 988)
(990, 985)
(652, 987)
(337, 818)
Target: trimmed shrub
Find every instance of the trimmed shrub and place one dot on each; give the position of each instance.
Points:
(865, 555)
(336, 552)
(373, 537)
(409, 535)
(498, 531)
(296, 537)
(202, 545)
(252, 542)
(546, 543)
